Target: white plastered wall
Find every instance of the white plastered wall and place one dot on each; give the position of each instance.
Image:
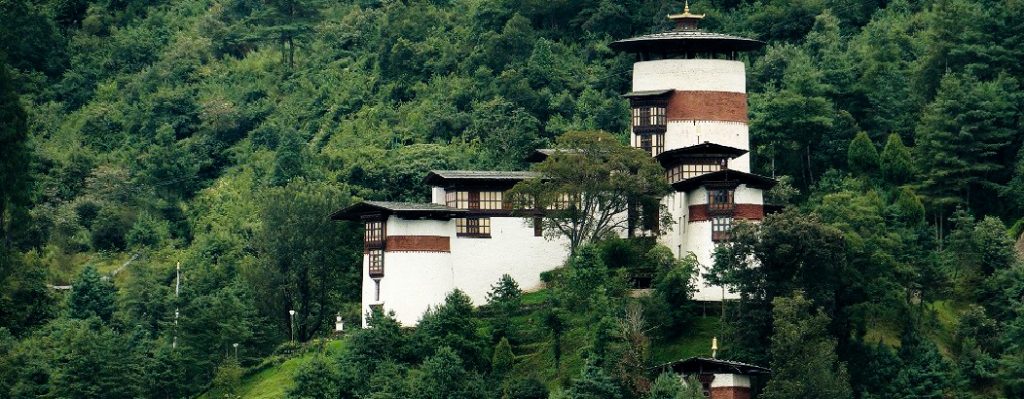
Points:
(730, 380)
(681, 134)
(690, 75)
(414, 281)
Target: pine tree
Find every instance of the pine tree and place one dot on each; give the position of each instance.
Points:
(14, 155)
(452, 325)
(896, 163)
(443, 376)
(503, 360)
(925, 374)
(862, 156)
(670, 386)
(92, 295)
(594, 383)
(804, 360)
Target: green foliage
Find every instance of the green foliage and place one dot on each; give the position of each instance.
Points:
(589, 170)
(673, 295)
(896, 162)
(862, 155)
(804, 360)
(14, 152)
(505, 301)
(92, 296)
(228, 377)
(527, 389)
(452, 325)
(925, 374)
(503, 359)
(315, 379)
(671, 386)
(593, 383)
(442, 376)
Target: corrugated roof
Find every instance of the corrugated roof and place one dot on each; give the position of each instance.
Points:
(709, 364)
(726, 176)
(647, 93)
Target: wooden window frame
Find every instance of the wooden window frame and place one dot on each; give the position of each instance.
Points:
(721, 228)
(473, 227)
(721, 201)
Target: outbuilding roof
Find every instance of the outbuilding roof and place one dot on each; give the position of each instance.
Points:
(702, 365)
(726, 176)
(404, 209)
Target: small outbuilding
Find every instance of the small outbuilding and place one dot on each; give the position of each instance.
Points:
(720, 379)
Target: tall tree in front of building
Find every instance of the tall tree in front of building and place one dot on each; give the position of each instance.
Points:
(14, 156)
(804, 360)
(587, 186)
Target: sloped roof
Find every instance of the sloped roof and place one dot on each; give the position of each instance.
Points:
(405, 209)
(718, 366)
(648, 93)
(440, 177)
(726, 176)
(686, 41)
(705, 149)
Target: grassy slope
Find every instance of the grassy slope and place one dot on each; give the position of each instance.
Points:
(274, 381)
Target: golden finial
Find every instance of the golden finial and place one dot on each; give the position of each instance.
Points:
(714, 347)
(686, 20)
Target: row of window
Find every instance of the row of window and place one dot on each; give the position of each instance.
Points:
(487, 200)
(653, 143)
(649, 116)
(693, 168)
(473, 227)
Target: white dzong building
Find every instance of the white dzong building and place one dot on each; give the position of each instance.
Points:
(689, 110)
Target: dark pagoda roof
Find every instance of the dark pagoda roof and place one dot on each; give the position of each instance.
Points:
(410, 210)
(702, 365)
(476, 177)
(686, 38)
(725, 176)
(694, 41)
(703, 150)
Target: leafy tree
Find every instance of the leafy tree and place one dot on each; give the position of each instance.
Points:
(311, 272)
(804, 361)
(289, 161)
(316, 379)
(896, 162)
(586, 183)
(862, 156)
(95, 362)
(92, 296)
(228, 377)
(25, 299)
(673, 294)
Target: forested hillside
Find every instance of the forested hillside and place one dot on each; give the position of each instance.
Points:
(219, 134)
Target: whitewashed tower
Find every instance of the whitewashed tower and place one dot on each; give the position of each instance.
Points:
(689, 110)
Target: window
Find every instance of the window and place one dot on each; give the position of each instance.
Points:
(376, 290)
(721, 201)
(654, 143)
(473, 227)
(561, 203)
(721, 226)
(373, 245)
(486, 200)
(375, 262)
(649, 115)
(691, 168)
(457, 199)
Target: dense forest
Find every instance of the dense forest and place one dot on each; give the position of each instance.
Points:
(136, 136)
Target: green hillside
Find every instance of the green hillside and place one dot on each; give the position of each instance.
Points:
(219, 134)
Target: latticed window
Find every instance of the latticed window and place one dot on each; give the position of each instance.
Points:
(693, 168)
(473, 227)
(457, 199)
(653, 143)
(375, 262)
(721, 200)
(721, 228)
(645, 116)
(489, 200)
(561, 203)
(373, 245)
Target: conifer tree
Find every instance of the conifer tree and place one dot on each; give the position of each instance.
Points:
(671, 386)
(443, 376)
(925, 374)
(503, 359)
(862, 155)
(896, 163)
(14, 155)
(91, 295)
(593, 383)
(316, 379)
(804, 360)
